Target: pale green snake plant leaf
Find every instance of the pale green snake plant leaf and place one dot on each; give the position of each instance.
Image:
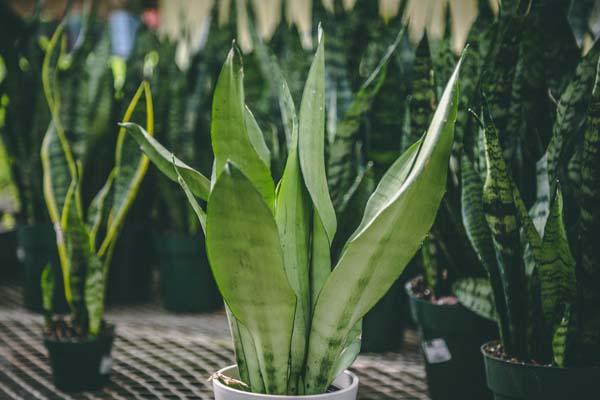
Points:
(247, 264)
(408, 195)
(229, 132)
(293, 213)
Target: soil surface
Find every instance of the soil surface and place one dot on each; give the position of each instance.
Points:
(496, 350)
(62, 328)
(421, 291)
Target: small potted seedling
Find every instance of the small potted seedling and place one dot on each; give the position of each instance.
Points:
(295, 321)
(79, 344)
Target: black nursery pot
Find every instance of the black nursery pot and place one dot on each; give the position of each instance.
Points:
(79, 365)
(451, 337)
(36, 247)
(186, 279)
(518, 381)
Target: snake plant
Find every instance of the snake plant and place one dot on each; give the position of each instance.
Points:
(536, 245)
(293, 318)
(85, 237)
(25, 114)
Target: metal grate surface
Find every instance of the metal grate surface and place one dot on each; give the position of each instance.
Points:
(158, 355)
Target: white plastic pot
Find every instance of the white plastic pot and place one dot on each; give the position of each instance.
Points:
(347, 383)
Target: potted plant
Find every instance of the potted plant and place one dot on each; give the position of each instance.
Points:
(531, 233)
(542, 262)
(87, 112)
(450, 334)
(349, 97)
(26, 118)
(294, 320)
(79, 344)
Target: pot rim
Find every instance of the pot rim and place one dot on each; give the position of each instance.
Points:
(353, 386)
(525, 364)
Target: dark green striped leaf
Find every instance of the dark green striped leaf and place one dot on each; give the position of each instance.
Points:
(476, 294)
(422, 101)
(76, 240)
(501, 216)
(572, 105)
(342, 164)
(588, 232)
(473, 218)
(556, 264)
(564, 337)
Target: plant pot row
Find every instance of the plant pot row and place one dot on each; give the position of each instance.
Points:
(456, 343)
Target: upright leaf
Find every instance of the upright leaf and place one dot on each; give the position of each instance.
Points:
(311, 152)
(557, 265)
(94, 291)
(293, 213)
(77, 244)
(588, 231)
(229, 133)
(473, 219)
(130, 168)
(245, 254)
(397, 218)
(501, 216)
(98, 209)
(256, 137)
(570, 110)
(47, 285)
(563, 339)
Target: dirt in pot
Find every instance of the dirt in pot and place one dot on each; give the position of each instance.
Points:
(495, 349)
(421, 291)
(63, 328)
